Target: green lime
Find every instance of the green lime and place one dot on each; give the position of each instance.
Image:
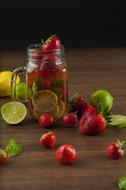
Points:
(102, 100)
(13, 112)
(22, 92)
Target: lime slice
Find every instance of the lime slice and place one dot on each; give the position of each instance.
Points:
(13, 112)
(118, 120)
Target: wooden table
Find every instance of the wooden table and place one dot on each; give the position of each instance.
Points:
(37, 168)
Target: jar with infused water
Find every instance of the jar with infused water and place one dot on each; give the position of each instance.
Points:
(47, 81)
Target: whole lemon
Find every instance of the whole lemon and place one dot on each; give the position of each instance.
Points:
(5, 81)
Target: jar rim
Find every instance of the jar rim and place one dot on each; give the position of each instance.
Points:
(35, 53)
(32, 47)
(38, 46)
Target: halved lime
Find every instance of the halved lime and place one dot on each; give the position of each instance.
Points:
(13, 112)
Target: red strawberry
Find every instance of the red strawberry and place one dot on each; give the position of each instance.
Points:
(3, 157)
(70, 120)
(48, 140)
(92, 123)
(66, 154)
(51, 43)
(116, 149)
(47, 84)
(89, 111)
(46, 120)
(78, 104)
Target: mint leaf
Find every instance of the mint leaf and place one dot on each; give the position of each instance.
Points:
(118, 120)
(39, 83)
(13, 149)
(122, 183)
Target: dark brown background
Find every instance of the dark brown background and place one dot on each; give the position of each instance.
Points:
(37, 168)
(78, 23)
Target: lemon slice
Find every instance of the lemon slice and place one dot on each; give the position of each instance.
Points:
(13, 112)
(45, 101)
(61, 109)
(54, 113)
(37, 113)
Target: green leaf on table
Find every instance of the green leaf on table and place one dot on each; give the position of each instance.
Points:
(118, 120)
(13, 149)
(122, 183)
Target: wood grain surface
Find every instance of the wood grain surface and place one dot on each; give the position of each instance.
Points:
(37, 168)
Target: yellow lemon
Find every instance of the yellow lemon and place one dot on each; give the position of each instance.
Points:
(5, 80)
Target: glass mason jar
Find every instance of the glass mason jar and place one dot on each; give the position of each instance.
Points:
(47, 82)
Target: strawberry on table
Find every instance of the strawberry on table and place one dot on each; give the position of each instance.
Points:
(89, 110)
(3, 156)
(51, 43)
(46, 120)
(78, 104)
(70, 120)
(48, 140)
(92, 123)
(116, 149)
(66, 154)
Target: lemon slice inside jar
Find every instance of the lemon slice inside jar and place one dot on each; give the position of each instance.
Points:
(45, 101)
(61, 109)
(54, 113)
